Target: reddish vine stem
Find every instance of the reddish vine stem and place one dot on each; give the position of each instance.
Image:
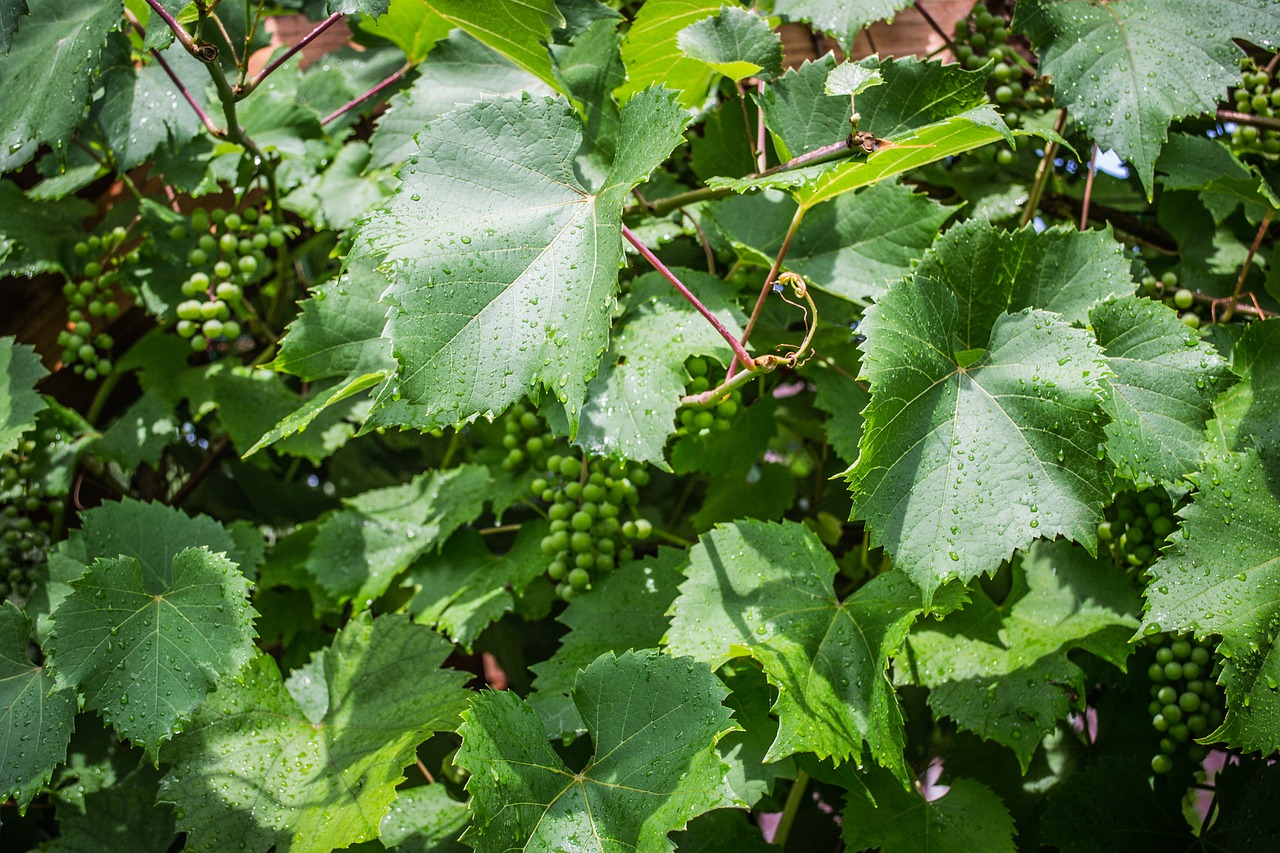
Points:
(168, 70)
(1246, 118)
(179, 31)
(702, 238)
(372, 93)
(1043, 170)
(243, 90)
(1088, 188)
(1248, 262)
(765, 288)
(1239, 307)
(739, 351)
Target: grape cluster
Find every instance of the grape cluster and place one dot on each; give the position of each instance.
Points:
(527, 440)
(587, 535)
(1137, 525)
(1166, 289)
(1256, 95)
(230, 253)
(24, 521)
(700, 420)
(92, 295)
(1185, 702)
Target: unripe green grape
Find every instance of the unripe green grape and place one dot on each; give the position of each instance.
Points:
(248, 264)
(81, 249)
(197, 258)
(230, 330)
(579, 579)
(93, 269)
(177, 232)
(557, 570)
(1173, 671)
(228, 243)
(1184, 299)
(199, 344)
(276, 238)
(581, 521)
(218, 215)
(208, 242)
(212, 328)
(580, 541)
(1200, 655)
(1005, 156)
(570, 468)
(232, 222)
(228, 291)
(1190, 320)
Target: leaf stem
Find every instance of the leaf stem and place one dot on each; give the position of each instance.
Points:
(739, 352)
(360, 99)
(768, 284)
(213, 129)
(789, 809)
(679, 541)
(1088, 188)
(1043, 170)
(243, 91)
(1248, 262)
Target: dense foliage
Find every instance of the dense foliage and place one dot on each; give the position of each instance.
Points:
(568, 425)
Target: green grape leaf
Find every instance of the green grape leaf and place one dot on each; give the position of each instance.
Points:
(1246, 795)
(1248, 413)
(411, 25)
(812, 185)
(45, 78)
(338, 331)
(141, 108)
(735, 43)
(36, 236)
(10, 12)
(141, 433)
(340, 195)
(750, 696)
(120, 816)
(146, 648)
(852, 78)
(36, 719)
(251, 402)
(466, 587)
(1163, 390)
(1221, 576)
(459, 70)
(917, 93)
(373, 8)
(590, 69)
(1207, 165)
(995, 449)
(1111, 65)
(1111, 807)
(851, 246)
(652, 55)
(723, 148)
(516, 30)
(840, 395)
(359, 549)
(19, 404)
(424, 819)
(625, 610)
(720, 830)
(638, 786)
(764, 590)
(968, 817)
(843, 19)
(492, 226)
(253, 769)
(318, 402)
(632, 402)
(799, 112)
(1001, 670)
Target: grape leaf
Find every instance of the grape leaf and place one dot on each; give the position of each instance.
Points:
(987, 421)
(735, 43)
(339, 196)
(119, 816)
(253, 769)
(36, 719)
(44, 79)
(626, 610)
(916, 93)
(1221, 576)
(411, 25)
(968, 817)
(590, 69)
(1112, 807)
(145, 649)
(141, 433)
(799, 112)
(338, 331)
(466, 586)
(458, 70)
(751, 777)
(19, 404)
(851, 246)
(637, 787)
(764, 590)
(1248, 413)
(1001, 670)
(652, 55)
(720, 830)
(491, 228)
(373, 8)
(852, 78)
(843, 19)
(1195, 163)
(1163, 390)
(10, 12)
(36, 236)
(424, 819)
(359, 549)
(141, 108)
(251, 401)
(1126, 69)
(839, 395)
(632, 402)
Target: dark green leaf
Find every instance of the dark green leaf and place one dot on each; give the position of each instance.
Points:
(252, 769)
(36, 236)
(1248, 413)
(121, 816)
(843, 19)
(424, 819)
(652, 56)
(735, 43)
(968, 817)
(638, 786)
(19, 404)
(799, 112)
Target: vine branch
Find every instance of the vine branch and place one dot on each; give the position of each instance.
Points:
(360, 99)
(1043, 170)
(248, 86)
(1248, 262)
(768, 285)
(1246, 118)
